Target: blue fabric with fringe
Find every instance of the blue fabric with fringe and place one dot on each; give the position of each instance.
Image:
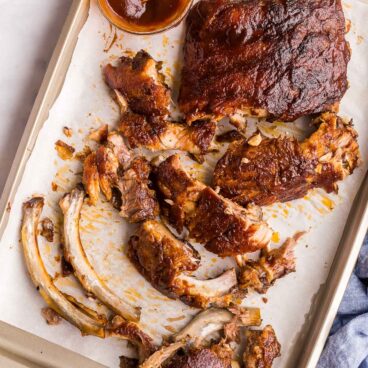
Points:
(347, 345)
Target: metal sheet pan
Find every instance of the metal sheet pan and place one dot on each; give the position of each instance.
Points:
(21, 349)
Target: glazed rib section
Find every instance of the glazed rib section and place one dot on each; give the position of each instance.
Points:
(156, 134)
(139, 80)
(278, 59)
(220, 225)
(282, 169)
(167, 263)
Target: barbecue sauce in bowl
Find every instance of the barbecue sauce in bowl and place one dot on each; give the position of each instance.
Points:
(144, 16)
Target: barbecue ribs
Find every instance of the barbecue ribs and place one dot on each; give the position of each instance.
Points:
(274, 58)
(272, 265)
(283, 169)
(167, 263)
(221, 225)
(196, 346)
(144, 100)
(157, 134)
(261, 348)
(139, 80)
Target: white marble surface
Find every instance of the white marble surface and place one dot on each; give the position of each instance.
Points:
(29, 32)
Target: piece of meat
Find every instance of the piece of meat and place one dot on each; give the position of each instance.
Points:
(50, 316)
(157, 134)
(107, 167)
(111, 158)
(139, 80)
(212, 320)
(138, 200)
(221, 225)
(272, 265)
(47, 229)
(120, 328)
(91, 179)
(261, 348)
(195, 346)
(200, 358)
(230, 136)
(159, 256)
(279, 59)
(116, 143)
(282, 169)
(167, 262)
(124, 181)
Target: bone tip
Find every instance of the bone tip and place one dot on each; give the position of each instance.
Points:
(35, 202)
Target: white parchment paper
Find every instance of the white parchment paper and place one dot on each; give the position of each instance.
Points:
(83, 105)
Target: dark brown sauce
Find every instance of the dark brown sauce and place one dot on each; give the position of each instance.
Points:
(148, 13)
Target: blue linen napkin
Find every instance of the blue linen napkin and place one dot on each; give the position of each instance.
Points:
(347, 345)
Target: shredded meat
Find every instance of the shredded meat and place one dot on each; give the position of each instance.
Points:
(138, 201)
(261, 348)
(222, 226)
(279, 59)
(124, 181)
(272, 265)
(283, 169)
(141, 83)
(157, 134)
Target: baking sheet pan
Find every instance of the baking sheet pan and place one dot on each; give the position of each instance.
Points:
(49, 91)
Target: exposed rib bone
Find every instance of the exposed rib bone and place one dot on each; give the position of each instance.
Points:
(160, 356)
(88, 324)
(214, 319)
(71, 206)
(167, 262)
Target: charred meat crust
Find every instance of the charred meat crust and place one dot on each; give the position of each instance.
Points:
(159, 257)
(283, 169)
(178, 192)
(167, 262)
(157, 134)
(222, 226)
(224, 230)
(272, 265)
(278, 59)
(261, 348)
(141, 131)
(140, 82)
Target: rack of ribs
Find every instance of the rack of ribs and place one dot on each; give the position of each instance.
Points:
(276, 59)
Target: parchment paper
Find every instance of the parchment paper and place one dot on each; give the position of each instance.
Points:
(84, 104)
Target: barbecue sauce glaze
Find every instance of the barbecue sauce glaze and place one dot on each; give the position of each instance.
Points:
(148, 15)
